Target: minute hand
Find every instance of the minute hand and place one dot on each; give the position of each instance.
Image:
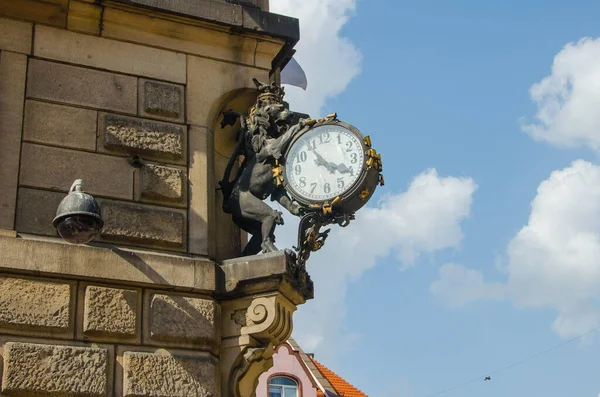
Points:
(321, 161)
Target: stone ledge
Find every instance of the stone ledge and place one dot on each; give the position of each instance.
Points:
(235, 15)
(257, 274)
(133, 267)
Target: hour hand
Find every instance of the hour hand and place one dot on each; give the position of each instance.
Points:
(343, 169)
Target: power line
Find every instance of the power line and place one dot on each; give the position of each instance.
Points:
(513, 364)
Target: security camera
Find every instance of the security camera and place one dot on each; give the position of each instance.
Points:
(78, 217)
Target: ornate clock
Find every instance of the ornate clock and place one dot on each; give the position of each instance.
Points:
(331, 170)
(331, 165)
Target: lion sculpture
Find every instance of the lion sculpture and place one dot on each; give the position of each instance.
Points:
(261, 141)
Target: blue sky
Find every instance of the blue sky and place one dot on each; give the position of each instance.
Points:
(447, 86)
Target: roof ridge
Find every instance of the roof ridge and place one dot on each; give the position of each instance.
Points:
(341, 386)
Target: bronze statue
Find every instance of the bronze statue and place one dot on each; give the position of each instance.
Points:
(262, 140)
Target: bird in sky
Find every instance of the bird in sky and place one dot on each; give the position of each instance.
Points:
(487, 378)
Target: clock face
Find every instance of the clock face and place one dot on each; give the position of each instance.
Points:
(324, 162)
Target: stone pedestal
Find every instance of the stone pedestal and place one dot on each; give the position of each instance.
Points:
(155, 306)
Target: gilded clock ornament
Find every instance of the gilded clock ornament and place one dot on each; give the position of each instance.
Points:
(322, 170)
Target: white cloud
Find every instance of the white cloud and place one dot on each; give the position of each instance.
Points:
(421, 220)
(330, 60)
(458, 286)
(553, 261)
(568, 99)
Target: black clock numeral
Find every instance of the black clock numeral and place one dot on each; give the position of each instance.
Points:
(312, 145)
(340, 139)
(327, 188)
(340, 183)
(353, 158)
(326, 138)
(298, 169)
(302, 156)
(302, 182)
(313, 186)
(349, 146)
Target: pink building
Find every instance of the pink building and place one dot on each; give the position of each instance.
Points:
(298, 374)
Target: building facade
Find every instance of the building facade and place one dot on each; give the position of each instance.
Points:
(127, 95)
(297, 374)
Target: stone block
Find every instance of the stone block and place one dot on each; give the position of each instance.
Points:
(111, 313)
(143, 225)
(28, 305)
(161, 100)
(163, 184)
(118, 56)
(158, 375)
(55, 168)
(60, 125)
(84, 17)
(179, 320)
(201, 189)
(266, 51)
(178, 36)
(15, 36)
(36, 210)
(80, 86)
(49, 12)
(210, 82)
(147, 138)
(50, 370)
(13, 69)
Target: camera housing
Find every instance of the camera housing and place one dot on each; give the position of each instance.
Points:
(78, 216)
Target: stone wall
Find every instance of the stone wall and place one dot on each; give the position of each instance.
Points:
(88, 87)
(67, 336)
(92, 321)
(126, 94)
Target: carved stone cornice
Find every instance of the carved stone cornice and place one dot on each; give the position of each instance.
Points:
(257, 317)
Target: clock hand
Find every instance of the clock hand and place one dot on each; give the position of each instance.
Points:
(321, 161)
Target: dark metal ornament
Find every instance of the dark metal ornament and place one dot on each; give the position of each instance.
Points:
(264, 141)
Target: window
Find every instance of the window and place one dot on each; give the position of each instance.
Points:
(283, 387)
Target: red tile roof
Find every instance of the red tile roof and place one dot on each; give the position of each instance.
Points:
(343, 388)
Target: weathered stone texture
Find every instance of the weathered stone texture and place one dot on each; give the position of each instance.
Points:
(161, 183)
(35, 211)
(60, 125)
(54, 168)
(136, 223)
(81, 86)
(156, 375)
(149, 138)
(13, 69)
(161, 100)
(103, 53)
(50, 370)
(35, 305)
(15, 36)
(110, 311)
(182, 319)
